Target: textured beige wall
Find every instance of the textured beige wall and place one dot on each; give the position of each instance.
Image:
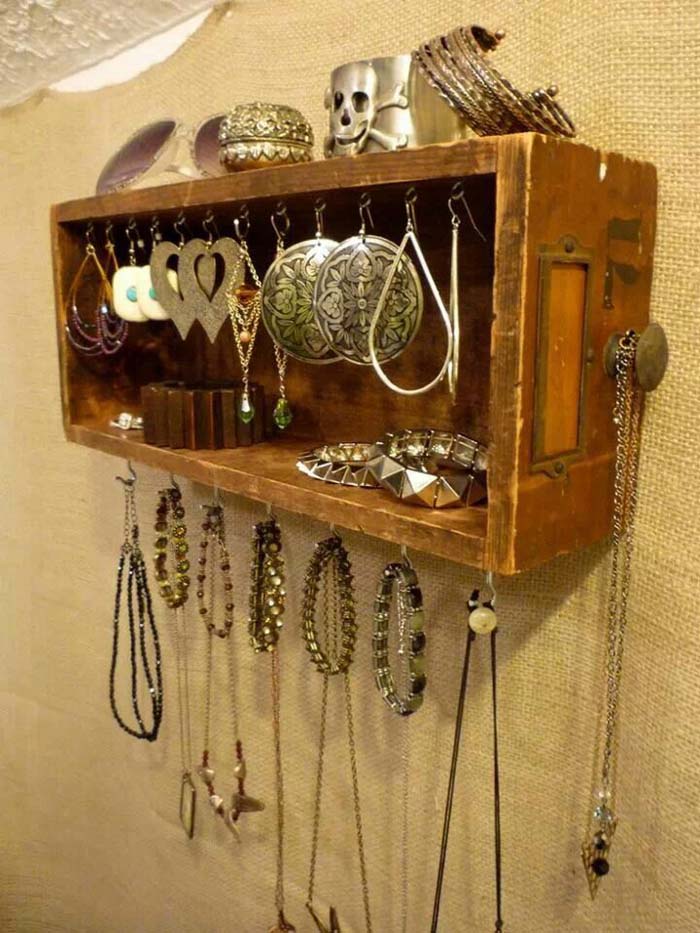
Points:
(90, 839)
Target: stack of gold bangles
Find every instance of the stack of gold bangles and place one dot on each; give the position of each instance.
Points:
(437, 469)
(457, 67)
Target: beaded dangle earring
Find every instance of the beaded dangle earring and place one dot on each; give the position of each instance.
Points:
(244, 312)
(214, 538)
(106, 333)
(482, 620)
(146, 656)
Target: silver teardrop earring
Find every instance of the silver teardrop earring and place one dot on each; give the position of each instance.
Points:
(410, 237)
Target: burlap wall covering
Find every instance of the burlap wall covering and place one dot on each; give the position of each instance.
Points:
(90, 836)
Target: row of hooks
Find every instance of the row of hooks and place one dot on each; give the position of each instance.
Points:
(279, 219)
(130, 482)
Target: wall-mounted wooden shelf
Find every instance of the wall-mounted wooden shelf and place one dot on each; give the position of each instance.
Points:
(538, 302)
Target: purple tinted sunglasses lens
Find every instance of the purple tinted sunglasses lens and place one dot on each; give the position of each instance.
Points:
(206, 146)
(135, 156)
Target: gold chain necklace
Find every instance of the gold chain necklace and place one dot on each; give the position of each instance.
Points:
(627, 418)
(329, 573)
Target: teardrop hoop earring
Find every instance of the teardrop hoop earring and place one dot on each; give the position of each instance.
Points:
(411, 237)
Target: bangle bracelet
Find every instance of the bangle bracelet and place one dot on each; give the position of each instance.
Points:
(267, 592)
(328, 553)
(344, 464)
(409, 464)
(411, 638)
(170, 527)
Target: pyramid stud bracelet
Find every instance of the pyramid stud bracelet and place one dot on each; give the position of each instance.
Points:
(436, 469)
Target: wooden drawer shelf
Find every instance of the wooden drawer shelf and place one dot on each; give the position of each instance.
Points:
(538, 302)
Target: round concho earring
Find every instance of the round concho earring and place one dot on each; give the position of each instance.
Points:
(288, 293)
(347, 291)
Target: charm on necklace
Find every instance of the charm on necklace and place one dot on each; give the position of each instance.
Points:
(595, 850)
(282, 926)
(334, 925)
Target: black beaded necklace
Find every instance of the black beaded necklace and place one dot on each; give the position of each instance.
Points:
(131, 556)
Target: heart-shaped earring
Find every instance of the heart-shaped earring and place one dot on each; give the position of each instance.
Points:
(165, 281)
(203, 289)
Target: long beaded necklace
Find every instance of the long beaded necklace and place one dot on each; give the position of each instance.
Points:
(131, 556)
(411, 651)
(214, 533)
(627, 418)
(267, 602)
(482, 621)
(171, 534)
(329, 573)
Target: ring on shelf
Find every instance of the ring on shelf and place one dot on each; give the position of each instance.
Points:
(437, 469)
(344, 464)
(127, 422)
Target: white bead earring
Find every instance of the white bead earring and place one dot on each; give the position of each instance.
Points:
(125, 283)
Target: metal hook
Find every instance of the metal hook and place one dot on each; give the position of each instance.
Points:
(404, 556)
(174, 483)
(490, 585)
(156, 235)
(334, 530)
(365, 212)
(109, 235)
(457, 194)
(410, 200)
(132, 479)
(268, 509)
(132, 234)
(319, 208)
(282, 229)
(180, 224)
(89, 231)
(209, 224)
(242, 223)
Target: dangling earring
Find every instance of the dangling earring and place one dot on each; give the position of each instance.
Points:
(125, 282)
(288, 296)
(245, 315)
(165, 279)
(349, 286)
(457, 194)
(389, 284)
(282, 413)
(107, 333)
(146, 294)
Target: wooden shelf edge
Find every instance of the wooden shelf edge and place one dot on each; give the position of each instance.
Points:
(445, 160)
(261, 474)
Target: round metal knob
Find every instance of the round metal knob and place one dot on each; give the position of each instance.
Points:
(651, 358)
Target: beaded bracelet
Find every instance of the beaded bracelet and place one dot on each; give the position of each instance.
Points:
(213, 529)
(170, 527)
(411, 637)
(267, 592)
(328, 552)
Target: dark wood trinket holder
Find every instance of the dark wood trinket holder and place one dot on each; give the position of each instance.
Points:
(567, 263)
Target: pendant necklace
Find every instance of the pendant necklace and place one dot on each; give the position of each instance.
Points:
(147, 655)
(627, 412)
(282, 413)
(411, 651)
(329, 576)
(482, 621)
(267, 601)
(214, 534)
(171, 541)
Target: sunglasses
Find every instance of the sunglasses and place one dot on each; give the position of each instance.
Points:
(164, 146)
